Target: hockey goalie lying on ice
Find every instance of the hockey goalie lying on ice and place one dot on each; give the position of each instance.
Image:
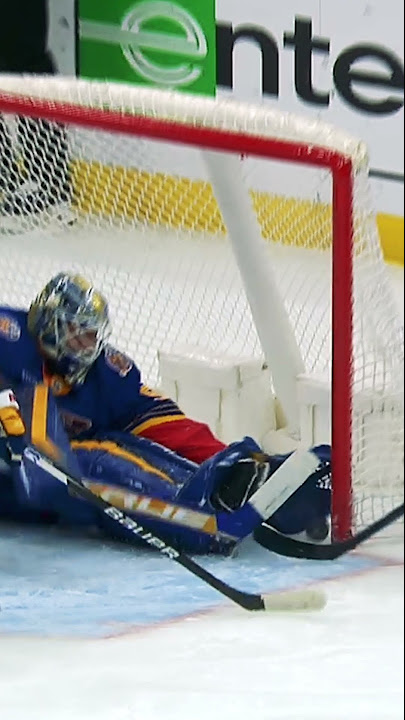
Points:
(65, 387)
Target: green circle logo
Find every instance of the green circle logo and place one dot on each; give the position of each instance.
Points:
(189, 42)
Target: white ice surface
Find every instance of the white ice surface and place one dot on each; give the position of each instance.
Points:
(226, 664)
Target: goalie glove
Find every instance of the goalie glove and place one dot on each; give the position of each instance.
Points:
(10, 418)
(12, 431)
(240, 481)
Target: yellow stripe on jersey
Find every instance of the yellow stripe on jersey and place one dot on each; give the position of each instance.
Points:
(150, 392)
(117, 451)
(39, 422)
(153, 422)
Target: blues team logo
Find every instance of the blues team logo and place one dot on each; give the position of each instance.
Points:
(117, 361)
(9, 328)
(74, 424)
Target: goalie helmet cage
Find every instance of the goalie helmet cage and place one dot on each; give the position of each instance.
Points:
(304, 284)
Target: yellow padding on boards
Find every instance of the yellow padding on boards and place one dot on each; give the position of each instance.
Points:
(391, 230)
(157, 199)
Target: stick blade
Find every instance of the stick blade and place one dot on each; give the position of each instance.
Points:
(284, 482)
(295, 600)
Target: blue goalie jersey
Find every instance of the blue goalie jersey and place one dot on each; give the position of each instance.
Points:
(112, 397)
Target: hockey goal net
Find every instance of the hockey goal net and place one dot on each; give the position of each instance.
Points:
(222, 226)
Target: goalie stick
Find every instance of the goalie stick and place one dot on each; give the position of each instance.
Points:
(272, 540)
(294, 600)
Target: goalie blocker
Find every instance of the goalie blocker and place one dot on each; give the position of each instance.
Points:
(205, 507)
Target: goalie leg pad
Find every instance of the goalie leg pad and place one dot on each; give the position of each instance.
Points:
(310, 506)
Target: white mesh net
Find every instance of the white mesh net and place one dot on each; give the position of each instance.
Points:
(139, 217)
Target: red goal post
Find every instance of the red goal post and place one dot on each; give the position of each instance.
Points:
(358, 335)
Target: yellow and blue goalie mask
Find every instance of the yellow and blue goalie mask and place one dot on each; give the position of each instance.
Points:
(69, 318)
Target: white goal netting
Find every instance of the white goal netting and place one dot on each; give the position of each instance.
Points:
(222, 226)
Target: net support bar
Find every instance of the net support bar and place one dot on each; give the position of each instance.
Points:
(271, 320)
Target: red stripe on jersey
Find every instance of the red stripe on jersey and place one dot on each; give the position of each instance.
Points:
(189, 438)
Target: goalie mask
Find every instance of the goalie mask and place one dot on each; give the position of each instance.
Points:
(69, 318)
